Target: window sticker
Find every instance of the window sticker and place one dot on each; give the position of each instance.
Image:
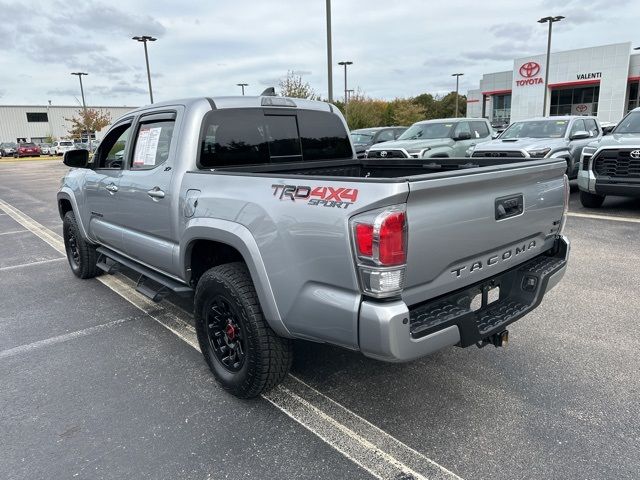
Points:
(147, 146)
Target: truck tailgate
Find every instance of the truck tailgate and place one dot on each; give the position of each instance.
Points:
(469, 225)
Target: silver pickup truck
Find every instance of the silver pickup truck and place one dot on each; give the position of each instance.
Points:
(258, 207)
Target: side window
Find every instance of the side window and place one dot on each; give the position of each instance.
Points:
(233, 138)
(153, 142)
(112, 149)
(592, 127)
(385, 136)
(578, 126)
(461, 128)
(479, 130)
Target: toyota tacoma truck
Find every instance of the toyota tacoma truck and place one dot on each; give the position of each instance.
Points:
(611, 166)
(448, 137)
(258, 208)
(555, 137)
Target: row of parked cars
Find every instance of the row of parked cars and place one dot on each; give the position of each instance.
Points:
(29, 149)
(604, 162)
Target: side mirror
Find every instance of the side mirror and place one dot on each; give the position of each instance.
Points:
(463, 136)
(580, 135)
(76, 158)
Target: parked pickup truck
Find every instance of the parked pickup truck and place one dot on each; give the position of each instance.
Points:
(557, 137)
(447, 137)
(258, 207)
(611, 165)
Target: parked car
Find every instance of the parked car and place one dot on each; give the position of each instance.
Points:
(549, 137)
(240, 203)
(449, 137)
(364, 138)
(45, 148)
(61, 146)
(611, 165)
(7, 149)
(27, 149)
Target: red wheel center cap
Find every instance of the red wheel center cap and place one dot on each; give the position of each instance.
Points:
(230, 330)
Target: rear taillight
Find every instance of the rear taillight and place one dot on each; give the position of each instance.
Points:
(380, 243)
(391, 249)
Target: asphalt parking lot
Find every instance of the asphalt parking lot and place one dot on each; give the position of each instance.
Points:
(98, 383)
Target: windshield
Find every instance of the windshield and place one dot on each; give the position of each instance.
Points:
(66, 144)
(536, 129)
(629, 124)
(361, 137)
(427, 130)
(27, 145)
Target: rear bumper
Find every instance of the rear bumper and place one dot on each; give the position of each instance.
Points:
(393, 332)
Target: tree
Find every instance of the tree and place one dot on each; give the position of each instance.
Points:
(363, 112)
(294, 86)
(406, 112)
(88, 122)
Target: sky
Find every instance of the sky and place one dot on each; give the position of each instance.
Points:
(399, 48)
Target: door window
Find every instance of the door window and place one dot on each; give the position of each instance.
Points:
(385, 136)
(461, 128)
(479, 130)
(578, 126)
(153, 142)
(592, 127)
(113, 148)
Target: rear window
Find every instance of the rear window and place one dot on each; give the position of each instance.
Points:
(257, 136)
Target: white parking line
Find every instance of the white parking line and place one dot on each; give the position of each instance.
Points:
(39, 262)
(604, 217)
(382, 455)
(11, 352)
(12, 232)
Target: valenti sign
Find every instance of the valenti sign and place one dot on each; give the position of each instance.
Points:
(530, 74)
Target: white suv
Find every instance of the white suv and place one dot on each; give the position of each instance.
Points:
(62, 146)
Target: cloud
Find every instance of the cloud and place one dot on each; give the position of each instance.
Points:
(302, 72)
(512, 31)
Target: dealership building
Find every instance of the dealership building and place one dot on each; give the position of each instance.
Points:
(601, 81)
(35, 123)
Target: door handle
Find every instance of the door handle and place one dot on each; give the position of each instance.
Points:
(113, 188)
(156, 193)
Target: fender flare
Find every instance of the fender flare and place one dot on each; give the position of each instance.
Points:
(66, 193)
(239, 237)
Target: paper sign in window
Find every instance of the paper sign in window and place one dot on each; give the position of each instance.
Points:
(147, 146)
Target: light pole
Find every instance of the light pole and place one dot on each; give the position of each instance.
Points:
(84, 105)
(144, 39)
(345, 65)
(329, 53)
(242, 85)
(457, 75)
(550, 21)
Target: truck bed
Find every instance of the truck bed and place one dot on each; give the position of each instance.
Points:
(378, 169)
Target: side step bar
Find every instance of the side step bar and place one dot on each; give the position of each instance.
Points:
(151, 284)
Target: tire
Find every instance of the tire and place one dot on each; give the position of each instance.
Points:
(591, 200)
(82, 256)
(243, 352)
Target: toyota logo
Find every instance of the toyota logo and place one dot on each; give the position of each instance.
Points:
(635, 154)
(529, 69)
(383, 153)
(581, 108)
(495, 154)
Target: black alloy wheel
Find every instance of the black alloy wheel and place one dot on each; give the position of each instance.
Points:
(225, 333)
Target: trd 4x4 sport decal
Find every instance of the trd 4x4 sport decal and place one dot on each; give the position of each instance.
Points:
(336, 197)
